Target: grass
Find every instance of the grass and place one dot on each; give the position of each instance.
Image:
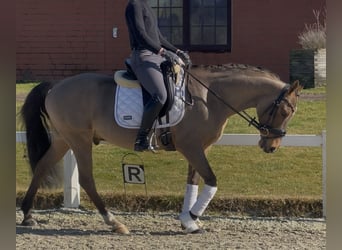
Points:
(310, 117)
(241, 171)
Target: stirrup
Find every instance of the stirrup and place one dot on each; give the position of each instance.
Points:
(149, 146)
(140, 147)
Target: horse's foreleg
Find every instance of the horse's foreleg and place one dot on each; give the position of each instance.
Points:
(201, 167)
(191, 192)
(83, 154)
(56, 151)
(191, 189)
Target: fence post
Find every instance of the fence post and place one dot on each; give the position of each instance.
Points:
(71, 184)
(324, 171)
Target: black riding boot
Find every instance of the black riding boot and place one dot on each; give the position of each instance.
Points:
(151, 111)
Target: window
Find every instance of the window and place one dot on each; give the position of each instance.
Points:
(195, 25)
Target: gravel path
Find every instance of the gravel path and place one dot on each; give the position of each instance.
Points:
(77, 229)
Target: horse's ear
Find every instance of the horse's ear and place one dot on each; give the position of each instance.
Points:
(295, 88)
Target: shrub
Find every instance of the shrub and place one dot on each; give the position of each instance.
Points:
(314, 35)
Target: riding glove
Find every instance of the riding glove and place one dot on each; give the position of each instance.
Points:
(170, 56)
(184, 56)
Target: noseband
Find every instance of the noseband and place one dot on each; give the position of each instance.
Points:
(266, 131)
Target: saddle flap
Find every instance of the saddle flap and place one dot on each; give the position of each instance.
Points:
(170, 82)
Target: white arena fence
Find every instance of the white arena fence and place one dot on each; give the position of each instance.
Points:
(72, 187)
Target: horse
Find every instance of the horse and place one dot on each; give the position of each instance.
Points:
(77, 112)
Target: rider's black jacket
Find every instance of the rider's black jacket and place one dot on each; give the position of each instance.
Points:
(143, 28)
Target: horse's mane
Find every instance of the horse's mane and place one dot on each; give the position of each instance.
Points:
(234, 68)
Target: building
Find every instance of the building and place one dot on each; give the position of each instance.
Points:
(56, 39)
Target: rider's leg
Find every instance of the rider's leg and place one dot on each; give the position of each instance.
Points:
(151, 111)
(146, 66)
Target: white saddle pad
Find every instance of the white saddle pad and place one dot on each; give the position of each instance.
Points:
(128, 107)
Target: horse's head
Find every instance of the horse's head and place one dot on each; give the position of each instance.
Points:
(274, 120)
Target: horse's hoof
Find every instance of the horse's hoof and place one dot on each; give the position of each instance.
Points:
(121, 229)
(198, 231)
(188, 224)
(29, 222)
(198, 222)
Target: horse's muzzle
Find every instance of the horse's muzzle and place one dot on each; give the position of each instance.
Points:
(269, 145)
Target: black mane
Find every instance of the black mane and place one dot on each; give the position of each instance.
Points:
(236, 67)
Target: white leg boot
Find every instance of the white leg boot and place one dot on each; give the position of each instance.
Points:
(190, 197)
(197, 209)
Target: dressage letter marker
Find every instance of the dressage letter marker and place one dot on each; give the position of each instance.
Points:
(133, 174)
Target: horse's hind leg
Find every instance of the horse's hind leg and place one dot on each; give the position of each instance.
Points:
(55, 153)
(81, 144)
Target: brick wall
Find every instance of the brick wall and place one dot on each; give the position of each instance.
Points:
(264, 32)
(60, 38)
(65, 37)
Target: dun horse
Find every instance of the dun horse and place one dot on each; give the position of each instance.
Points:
(78, 111)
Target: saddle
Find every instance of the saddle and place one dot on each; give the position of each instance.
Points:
(131, 97)
(128, 79)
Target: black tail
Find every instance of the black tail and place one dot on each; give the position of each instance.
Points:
(34, 117)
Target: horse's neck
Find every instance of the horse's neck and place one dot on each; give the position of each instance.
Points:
(243, 94)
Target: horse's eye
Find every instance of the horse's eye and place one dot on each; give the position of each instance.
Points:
(285, 112)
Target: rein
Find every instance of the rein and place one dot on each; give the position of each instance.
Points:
(265, 130)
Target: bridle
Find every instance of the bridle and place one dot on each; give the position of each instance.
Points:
(266, 130)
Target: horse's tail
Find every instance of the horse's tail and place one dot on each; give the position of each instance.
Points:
(38, 140)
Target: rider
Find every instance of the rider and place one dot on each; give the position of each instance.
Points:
(149, 48)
